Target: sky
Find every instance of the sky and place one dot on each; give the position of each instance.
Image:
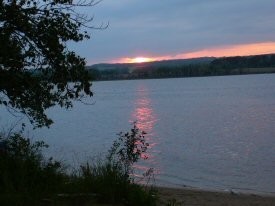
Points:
(144, 30)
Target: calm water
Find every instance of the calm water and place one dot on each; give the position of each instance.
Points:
(211, 132)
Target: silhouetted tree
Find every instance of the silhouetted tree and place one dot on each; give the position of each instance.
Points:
(37, 70)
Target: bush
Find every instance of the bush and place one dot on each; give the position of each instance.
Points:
(24, 170)
(127, 150)
(110, 179)
(26, 177)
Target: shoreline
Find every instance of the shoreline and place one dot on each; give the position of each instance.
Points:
(193, 196)
(226, 191)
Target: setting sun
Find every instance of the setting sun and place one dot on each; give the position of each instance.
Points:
(135, 60)
(141, 60)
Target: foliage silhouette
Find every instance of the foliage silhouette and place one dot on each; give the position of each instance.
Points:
(36, 65)
(128, 149)
(24, 170)
(28, 178)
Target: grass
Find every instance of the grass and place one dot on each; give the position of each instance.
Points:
(28, 178)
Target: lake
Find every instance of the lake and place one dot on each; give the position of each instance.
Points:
(206, 132)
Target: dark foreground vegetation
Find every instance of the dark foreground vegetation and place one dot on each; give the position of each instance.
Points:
(28, 178)
(207, 66)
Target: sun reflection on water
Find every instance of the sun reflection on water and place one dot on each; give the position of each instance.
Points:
(145, 119)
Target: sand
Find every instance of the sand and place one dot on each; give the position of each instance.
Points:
(194, 197)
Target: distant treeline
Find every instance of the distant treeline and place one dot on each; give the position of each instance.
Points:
(212, 67)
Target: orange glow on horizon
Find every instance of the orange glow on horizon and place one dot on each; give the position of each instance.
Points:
(221, 51)
(233, 50)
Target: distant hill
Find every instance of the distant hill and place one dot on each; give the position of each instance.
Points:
(153, 64)
(205, 66)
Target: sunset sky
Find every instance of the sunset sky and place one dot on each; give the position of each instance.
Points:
(146, 30)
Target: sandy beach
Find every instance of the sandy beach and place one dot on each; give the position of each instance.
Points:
(195, 197)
